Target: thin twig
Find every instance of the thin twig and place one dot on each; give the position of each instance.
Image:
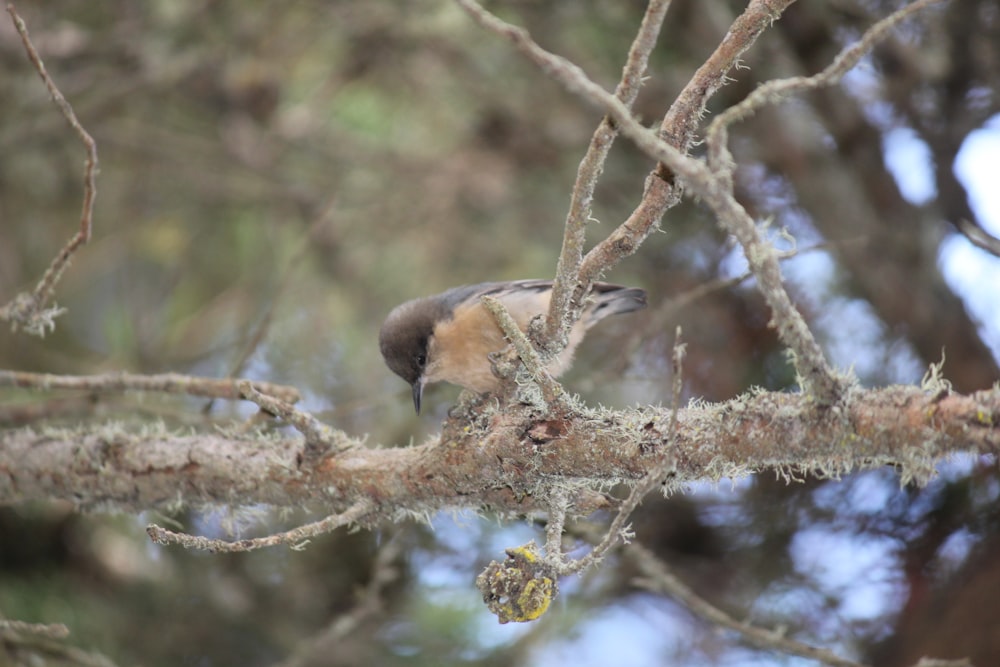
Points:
(678, 130)
(297, 538)
(814, 373)
(29, 309)
(978, 236)
(771, 92)
(552, 391)
(51, 630)
(320, 438)
(658, 578)
(619, 529)
(558, 503)
(816, 376)
(568, 292)
(169, 383)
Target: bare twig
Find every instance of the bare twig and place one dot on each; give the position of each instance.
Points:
(296, 538)
(681, 122)
(978, 236)
(774, 91)
(658, 578)
(557, 505)
(29, 309)
(320, 438)
(51, 630)
(656, 476)
(678, 130)
(170, 383)
(815, 374)
(568, 291)
(552, 391)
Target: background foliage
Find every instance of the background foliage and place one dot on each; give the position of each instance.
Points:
(274, 178)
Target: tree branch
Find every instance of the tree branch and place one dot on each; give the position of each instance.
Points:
(296, 537)
(29, 309)
(658, 578)
(978, 236)
(815, 374)
(166, 383)
(50, 630)
(320, 438)
(506, 461)
(678, 130)
(568, 291)
(771, 92)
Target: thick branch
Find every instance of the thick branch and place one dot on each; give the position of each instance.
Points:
(505, 460)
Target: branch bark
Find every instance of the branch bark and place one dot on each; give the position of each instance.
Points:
(509, 461)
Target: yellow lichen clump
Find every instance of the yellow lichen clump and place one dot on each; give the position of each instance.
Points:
(521, 588)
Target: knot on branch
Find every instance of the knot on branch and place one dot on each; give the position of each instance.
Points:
(521, 588)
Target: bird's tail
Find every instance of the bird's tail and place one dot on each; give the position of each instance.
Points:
(608, 299)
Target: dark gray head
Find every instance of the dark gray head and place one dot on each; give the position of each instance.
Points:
(403, 340)
(406, 333)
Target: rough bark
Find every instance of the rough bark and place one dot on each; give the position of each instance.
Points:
(509, 461)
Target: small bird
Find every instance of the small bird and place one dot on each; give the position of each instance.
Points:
(449, 336)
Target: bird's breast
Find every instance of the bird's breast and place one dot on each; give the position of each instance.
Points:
(459, 348)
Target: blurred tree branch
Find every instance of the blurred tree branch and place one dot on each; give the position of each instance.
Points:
(656, 576)
(167, 383)
(29, 310)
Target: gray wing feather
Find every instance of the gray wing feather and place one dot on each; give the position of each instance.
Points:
(606, 298)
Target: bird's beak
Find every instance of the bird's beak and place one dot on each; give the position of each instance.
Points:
(418, 391)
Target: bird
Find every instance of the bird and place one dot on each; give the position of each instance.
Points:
(448, 337)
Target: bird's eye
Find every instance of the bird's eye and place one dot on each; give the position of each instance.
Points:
(421, 360)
